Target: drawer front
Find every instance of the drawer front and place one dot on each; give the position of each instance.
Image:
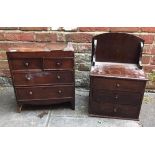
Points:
(38, 93)
(25, 64)
(101, 108)
(117, 97)
(57, 63)
(111, 110)
(43, 78)
(127, 111)
(117, 84)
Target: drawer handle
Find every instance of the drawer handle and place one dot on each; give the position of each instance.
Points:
(60, 92)
(58, 77)
(58, 63)
(30, 93)
(115, 109)
(26, 64)
(117, 85)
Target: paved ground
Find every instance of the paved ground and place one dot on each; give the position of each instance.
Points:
(64, 116)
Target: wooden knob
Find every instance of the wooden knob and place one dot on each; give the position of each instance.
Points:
(117, 85)
(26, 64)
(116, 96)
(58, 63)
(30, 93)
(28, 78)
(115, 109)
(58, 77)
(60, 92)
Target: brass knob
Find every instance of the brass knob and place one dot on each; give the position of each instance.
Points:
(117, 85)
(60, 92)
(26, 64)
(58, 63)
(58, 77)
(115, 109)
(30, 93)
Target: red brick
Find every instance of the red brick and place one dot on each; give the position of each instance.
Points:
(152, 50)
(46, 37)
(5, 73)
(79, 37)
(84, 47)
(146, 59)
(149, 69)
(33, 28)
(148, 38)
(19, 36)
(152, 61)
(146, 49)
(148, 29)
(4, 65)
(3, 55)
(61, 37)
(8, 28)
(92, 29)
(2, 37)
(43, 45)
(124, 29)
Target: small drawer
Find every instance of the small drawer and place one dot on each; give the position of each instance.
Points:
(130, 98)
(25, 64)
(57, 63)
(45, 92)
(117, 84)
(42, 78)
(127, 111)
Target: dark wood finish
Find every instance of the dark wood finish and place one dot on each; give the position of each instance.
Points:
(26, 64)
(117, 80)
(117, 47)
(42, 77)
(118, 84)
(41, 54)
(39, 93)
(117, 97)
(53, 63)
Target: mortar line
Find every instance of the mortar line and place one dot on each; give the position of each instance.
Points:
(48, 118)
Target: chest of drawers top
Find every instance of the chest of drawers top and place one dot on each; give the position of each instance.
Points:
(53, 60)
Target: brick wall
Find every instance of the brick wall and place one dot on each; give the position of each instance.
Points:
(81, 37)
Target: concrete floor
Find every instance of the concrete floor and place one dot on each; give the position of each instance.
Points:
(63, 116)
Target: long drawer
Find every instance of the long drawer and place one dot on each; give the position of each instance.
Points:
(117, 97)
(112, 110)
(44, 92)
(118, 84)
(42, 78)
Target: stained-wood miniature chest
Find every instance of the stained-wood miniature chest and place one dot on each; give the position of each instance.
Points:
(42, 77)
(117, 80)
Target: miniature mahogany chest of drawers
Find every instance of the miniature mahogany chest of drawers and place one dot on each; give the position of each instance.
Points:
(42, 78)
(117, 80)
